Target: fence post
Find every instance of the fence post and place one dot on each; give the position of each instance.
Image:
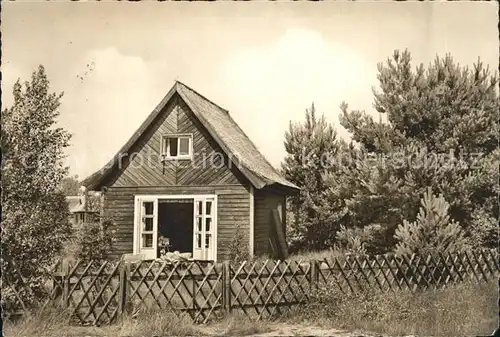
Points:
(66, 283)
(57, 281)
(226, 286)
(122, 300)
(314, 277)
(193, 278)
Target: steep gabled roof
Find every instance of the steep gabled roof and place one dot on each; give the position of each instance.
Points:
(230, 137)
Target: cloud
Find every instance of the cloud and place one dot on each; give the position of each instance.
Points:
(286, 77)
(109, 95)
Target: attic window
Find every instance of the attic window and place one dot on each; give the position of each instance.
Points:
(177, 147)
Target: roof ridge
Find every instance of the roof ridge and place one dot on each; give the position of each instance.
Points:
(258, 152)
(221, 126)
(205, 98)
(232, 119)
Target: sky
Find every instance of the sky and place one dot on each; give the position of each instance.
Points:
(265, 62)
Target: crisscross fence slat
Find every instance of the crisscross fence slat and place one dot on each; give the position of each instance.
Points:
(98, 293)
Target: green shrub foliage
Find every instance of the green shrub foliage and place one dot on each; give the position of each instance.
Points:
(94, 240)
(35, 222)
(432, 232)
(437, 128)
(237, 247)
(309, 145)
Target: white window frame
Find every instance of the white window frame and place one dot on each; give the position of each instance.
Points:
(165, 146)
(148, 232)
(156, 197)
(150, 252)
(202, 250)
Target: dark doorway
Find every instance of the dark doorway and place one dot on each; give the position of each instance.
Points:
(175, 221)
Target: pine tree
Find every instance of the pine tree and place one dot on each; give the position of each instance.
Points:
(438, 119)
(311, 146)
(432, 231)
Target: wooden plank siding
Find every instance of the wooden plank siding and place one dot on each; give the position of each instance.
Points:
(265, 201)
(206, 174)
(233, 209)
(143, 165)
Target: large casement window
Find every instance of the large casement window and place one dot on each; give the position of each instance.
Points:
(196, 223)
(204, 228)
(147, 226)
(177, 146)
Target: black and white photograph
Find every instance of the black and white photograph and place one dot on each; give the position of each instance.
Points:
(250, 168)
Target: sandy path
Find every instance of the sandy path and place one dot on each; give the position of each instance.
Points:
(283, 329)
(287, 329)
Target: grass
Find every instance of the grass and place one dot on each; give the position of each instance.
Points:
(239, 325)
(463, 310)
(46, 323)
(149, 323)
(316, 255)
(304, 256)
(466, 309)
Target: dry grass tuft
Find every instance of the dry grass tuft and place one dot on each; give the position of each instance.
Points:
(153, 323)
(148, 323)
(240, 325)
(158, 323)
(50, 322)
(460, 310)
(316, 255)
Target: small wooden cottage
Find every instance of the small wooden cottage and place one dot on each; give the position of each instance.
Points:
(80, 210)
(190, 174)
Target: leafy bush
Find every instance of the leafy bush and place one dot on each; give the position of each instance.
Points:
(94, 240)
(238, 250)
(35, 221)
(485, 229)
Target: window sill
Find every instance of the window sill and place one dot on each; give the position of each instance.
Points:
(164, 159)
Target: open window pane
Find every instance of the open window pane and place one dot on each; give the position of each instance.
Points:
(172, 147)
(175, 146)
(209, 208)
(184, 146)
(198, 241)
(147, 224)
(147, 240)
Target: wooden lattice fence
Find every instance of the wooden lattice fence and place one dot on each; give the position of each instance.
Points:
(192, 287)
(414, 272)
(268, 288)
(99, 293)
(20, 297)
(92, 292)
